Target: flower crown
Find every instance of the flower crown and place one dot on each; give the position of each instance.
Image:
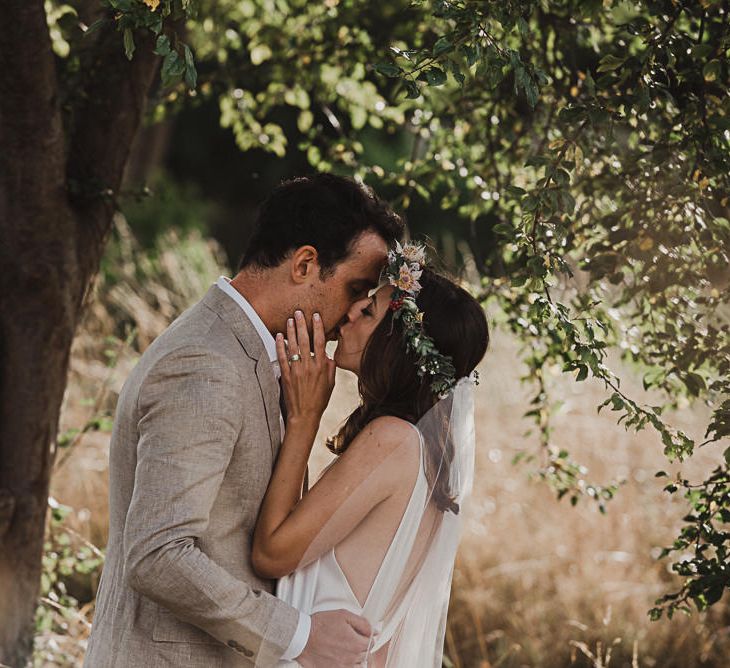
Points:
(404, 268)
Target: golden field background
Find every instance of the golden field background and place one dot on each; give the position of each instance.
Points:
(538, 583)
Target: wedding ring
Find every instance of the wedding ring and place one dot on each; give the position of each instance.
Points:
(296, 357)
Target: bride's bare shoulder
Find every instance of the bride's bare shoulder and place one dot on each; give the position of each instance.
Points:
(387, 432)
(386, 445)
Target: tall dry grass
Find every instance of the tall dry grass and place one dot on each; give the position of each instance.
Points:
(537, 583)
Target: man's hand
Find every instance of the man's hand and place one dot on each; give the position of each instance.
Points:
(337, 638)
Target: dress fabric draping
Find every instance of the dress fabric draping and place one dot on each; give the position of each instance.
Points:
(408, 599)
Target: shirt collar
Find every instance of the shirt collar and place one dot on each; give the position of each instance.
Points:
(224, 284)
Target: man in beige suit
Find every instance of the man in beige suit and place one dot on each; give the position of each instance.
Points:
(196, 433)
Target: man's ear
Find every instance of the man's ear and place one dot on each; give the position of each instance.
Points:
(304, 264)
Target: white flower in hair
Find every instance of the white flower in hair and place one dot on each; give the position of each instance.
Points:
(408, 279)
(414, 253)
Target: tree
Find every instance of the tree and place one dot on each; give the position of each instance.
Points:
(577, 150)
(65, 136)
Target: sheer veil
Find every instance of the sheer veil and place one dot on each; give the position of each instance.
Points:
(407, 601)
(420, 605)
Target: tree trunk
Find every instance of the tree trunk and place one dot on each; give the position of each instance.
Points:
(51, 242)
(36, 331)
(36, 320)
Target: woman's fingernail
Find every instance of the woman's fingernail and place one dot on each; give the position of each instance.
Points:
(298, 315)
(316, 317)
(290, 322)
(279, 336)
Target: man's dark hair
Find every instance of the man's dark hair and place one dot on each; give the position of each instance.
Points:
(325, 211)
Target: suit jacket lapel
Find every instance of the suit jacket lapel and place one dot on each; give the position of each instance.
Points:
(232, 314)
(270, 391)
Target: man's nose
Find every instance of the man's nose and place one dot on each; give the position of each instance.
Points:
(346, 320)
(355, 311)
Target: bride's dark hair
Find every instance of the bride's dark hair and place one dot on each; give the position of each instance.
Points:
(389, 383)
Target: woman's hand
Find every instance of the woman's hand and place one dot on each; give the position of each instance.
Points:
(308, 380)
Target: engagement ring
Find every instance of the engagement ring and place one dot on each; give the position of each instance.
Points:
(296, 357)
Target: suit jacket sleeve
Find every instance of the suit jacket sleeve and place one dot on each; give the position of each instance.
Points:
(191, 410)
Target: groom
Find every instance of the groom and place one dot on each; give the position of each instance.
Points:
(196, 433)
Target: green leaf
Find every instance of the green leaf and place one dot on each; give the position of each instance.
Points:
(714, 592)
(617, 403)
(191, 74)
(695, 383)
(456, 71)
(96, 25)
(536, 265)
(610, 62)
(567, 201)
(518, 281)
(162, 47)
(523, 27)
(624, 12)
(505, 229)
(582, 372)
(173, 68)
(590, 84)
(524, 80)
(443, 44)
(435, 76)
(471, 54)
(128, 43)
(530, 203)
(388, 69)
(561, 177)
(412, 90)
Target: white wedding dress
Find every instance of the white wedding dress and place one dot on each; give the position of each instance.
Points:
(407, 601)
(322, 585)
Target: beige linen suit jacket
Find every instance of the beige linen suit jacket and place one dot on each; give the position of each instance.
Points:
(194, 442)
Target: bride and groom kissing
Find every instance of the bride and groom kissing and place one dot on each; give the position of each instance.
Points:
(219, 554)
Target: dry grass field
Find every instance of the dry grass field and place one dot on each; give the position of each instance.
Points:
(538, 583)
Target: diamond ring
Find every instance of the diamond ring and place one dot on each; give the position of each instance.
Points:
(296, 357)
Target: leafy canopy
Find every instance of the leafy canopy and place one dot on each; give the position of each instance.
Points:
(579, 150)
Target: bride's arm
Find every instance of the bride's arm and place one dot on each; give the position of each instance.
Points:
(289, 524)
(289, 532)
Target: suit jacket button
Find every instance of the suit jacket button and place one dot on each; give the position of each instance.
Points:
(247, 652)
(233, 644)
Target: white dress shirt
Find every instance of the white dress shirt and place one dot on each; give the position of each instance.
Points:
(301, 635)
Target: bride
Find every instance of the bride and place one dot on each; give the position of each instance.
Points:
(377, 533)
